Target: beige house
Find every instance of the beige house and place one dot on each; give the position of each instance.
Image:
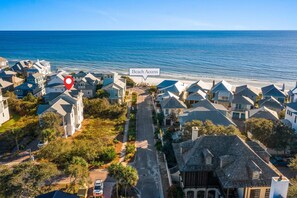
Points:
(3, 63)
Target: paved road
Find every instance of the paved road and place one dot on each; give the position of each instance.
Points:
(146, 161)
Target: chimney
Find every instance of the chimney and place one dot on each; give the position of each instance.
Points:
(279, 186)
(296, 84)
(284, 87)
(194, 133)
(213, 83)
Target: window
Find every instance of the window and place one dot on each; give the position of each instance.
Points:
(267, 191)
(255, 193)
(289, 112)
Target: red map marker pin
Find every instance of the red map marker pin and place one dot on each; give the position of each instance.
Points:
(68, 82)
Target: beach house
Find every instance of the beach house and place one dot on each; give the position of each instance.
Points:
(6, 85)
(224, 166)
(240, 107)
(195, 97)
(199, 85)
(4, 111)
(87, 83)
(3, 63)
(293, 94)
(69, 105)
(172, 107)
(264, 112)
(22, 66)
(43, 67)
(11, 76)
(274, 91)
(222, 93)
(248, 91)
(55, 82)
(291, 114)
(176, 87)
(115, 86)
(206, 110)
(271, 103)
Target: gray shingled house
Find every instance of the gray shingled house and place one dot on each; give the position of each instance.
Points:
(223, 166)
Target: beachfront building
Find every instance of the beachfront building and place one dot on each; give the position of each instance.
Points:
(24, 89)
(3, 63)
(222, 93)
(69, 105)
(43, 67)
(271, 103)
(293, 94)
(4, 111)
(291, 114)
(55, 82)
(176, 87)
(248, 91)
(264, 112)
(115, 86)
(224, 166)
(22, 66)
(240, 107)
(162, 96)
(206, 110)
(87, 83)
(195, 97)
(6, 85)
(171, 108)
(199, 85)
(274, 91)
(11, 76)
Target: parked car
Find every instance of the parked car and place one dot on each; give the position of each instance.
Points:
(98, 188)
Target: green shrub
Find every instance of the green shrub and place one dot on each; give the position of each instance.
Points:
(108, 154)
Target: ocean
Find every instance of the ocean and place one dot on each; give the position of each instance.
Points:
(269, 56)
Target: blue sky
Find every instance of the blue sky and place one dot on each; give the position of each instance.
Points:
(148, 14)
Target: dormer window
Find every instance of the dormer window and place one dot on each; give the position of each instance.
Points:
(207, 156)
(256, 174)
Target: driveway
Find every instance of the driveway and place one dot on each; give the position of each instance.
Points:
(149, 183)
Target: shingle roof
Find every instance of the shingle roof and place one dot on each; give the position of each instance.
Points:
(292, 105)
(245, 87)
(172, 103)
(4, 83)
(237, 157)
(264, 112)
(177, 88)
(272, 90)
(205, 110)
(165, 95)
(242, 100)
(222, 86)
(197, 96)
(199, 85)
(57, 194)
(270, 102)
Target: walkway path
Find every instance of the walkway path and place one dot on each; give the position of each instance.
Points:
(146, 162)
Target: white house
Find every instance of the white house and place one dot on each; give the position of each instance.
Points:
(291, 114)
(69, 105)
(3, 63)
(172, 105)
(4, 111)
(43, 67)
(86, 83)
(55, 82)
(293, 94)
(222, 93)
(115, 87)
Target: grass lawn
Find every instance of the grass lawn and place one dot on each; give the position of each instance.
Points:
(8, 125)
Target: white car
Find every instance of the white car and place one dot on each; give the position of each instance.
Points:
(98, 188)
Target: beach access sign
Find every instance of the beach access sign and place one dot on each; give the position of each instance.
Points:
(144, 72)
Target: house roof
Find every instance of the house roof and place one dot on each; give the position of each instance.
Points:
(177, 88)
(222, 86)
(61, 107)
(167, 94)
(270, 102)
(199, 85)
(197, 96)
(3, 59)
(238, 99)
(57, 194)
(4, 73)
(80, 74)
(172, 103)
(292, 105)
(237, 158)
(205, 110)
(166, 83)
(272, 90)
(264, 112)
(4, 83)
(27, 86)
(242, 88)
